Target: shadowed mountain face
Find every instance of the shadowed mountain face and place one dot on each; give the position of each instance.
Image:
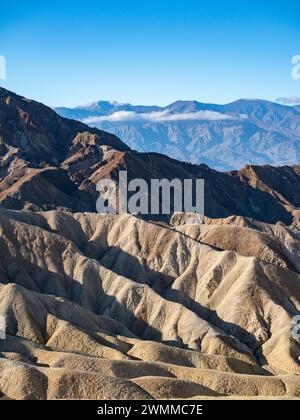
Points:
(39, 133)
(225, 137)
(48, 162)
(116, 307)
(34, 143)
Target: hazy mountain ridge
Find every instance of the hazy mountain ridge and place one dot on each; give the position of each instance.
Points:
(222, 136)
(116, 307)
(48, 162)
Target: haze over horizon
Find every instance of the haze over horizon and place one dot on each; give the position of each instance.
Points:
(152, 53)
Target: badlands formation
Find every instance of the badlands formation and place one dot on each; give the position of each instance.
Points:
(116, 307)
(102, 306)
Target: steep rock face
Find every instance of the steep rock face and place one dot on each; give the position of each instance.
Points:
(34, 141)
(40, 133)
(280, 182)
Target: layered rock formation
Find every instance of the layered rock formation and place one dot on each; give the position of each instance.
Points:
(117, 307)
(123, 308)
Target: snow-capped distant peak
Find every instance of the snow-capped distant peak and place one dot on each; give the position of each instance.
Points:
(102, 105)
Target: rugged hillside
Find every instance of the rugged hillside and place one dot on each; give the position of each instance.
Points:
(34, 141)
(123, 308)
(42, 134)
(257, 195)
(116, 307)
(48, 162)
(225, 137)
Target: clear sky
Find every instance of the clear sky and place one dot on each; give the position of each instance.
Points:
(150, 51)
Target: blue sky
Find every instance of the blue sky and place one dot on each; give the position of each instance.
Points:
(150, 52)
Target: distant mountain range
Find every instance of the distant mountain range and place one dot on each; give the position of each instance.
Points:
(224, 137)
(48, 162)
(115, 306)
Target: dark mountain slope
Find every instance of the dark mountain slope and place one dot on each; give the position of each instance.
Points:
(49, 162)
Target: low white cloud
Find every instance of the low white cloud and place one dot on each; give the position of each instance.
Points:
(291, 100)
(158, 116)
